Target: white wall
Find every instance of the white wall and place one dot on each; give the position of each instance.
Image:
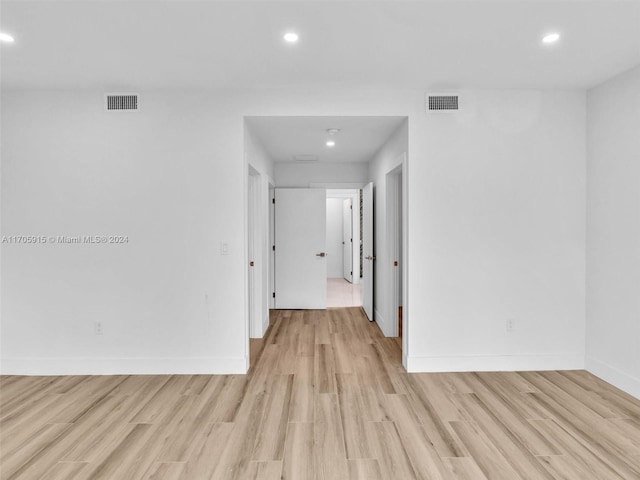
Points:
(496, 213)
(496, 232)
(388, 158)
(256, 155)
(613, 231)
(290, 174)
(170, 177)
(334, 237)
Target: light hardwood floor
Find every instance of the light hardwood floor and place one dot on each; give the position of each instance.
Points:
(327, 398)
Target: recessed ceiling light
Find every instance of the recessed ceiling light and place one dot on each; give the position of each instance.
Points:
(551, 38)
(333, 131)
(291, 37)
(5, 37)
(330, 143)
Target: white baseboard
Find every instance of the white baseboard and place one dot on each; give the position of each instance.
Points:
(123, 366)
(614, 376)
(494, 363)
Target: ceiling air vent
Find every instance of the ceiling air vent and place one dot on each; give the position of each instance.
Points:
(121, 102)
(305, 158)
(443, 103)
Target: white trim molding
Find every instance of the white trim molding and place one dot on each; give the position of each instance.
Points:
(494, 363)
(614, 376)
(124, 366)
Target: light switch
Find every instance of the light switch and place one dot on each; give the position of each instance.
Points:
(224, 248)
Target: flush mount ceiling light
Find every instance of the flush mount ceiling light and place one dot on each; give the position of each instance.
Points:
(291, 37)
(550, 38)
(333, 131)
(330, 143)
(6, 38)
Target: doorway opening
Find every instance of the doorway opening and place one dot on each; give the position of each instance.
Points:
(323, 222)
(343, 242)
(395, 220)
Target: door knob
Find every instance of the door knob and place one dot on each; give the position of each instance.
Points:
(369, 258)
(321, 254)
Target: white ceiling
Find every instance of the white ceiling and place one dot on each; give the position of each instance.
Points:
(399, 44)
(358, 140)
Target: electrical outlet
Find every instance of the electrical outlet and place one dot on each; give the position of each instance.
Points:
(511, 325)
(97, 328)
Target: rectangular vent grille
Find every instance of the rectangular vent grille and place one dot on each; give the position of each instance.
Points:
(439, 103)
(305, 158)
(121, 102)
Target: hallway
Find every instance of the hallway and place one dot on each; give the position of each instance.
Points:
(341, 293)
(327, 398)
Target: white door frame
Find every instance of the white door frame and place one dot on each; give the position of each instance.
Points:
(348, 239)
(254, 253)
(393, 225)
(271, 286)
(355, 185)
(369, 248)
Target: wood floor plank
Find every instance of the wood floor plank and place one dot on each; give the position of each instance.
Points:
(322, 331)
(343, 355)
(325, 369)
(164, 398)
(166, 471)
(423, 456)
(512, 391)
(622, 404)
(185, 442)
(591, 463)
(509, 415)
(364, 469)
(566, 467)
(307, 343)
(15, 457)
(390, 452)
(585, 397)
(299, 457)
(628, 427)
(357, 444)
(329, 447)
(123, 457)
(209, 457)
(237, 452)
(503, 439)
(270, 470)
(271, 433)
(585, 423)
(222, 403)
(66, 471)
(438, 430)
(485, 454)
(302, 394)
(463, 468)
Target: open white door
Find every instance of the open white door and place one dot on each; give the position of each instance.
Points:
(367, 251)
(301, 265)
(347, 239)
